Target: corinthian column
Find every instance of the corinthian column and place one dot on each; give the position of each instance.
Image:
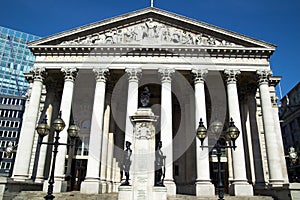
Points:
(65, 108)
(166, 127)
(92, 183)
(22, 162)
(204, 187)
(132, 99)
(240, 186)
(273, 149)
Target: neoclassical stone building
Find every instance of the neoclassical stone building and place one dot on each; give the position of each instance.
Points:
(95, 75)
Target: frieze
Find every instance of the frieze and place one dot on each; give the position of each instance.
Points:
(149, 32)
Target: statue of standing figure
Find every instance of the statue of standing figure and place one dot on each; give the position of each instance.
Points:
(160, 166)
(126, 163)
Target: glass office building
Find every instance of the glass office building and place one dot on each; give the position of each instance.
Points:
(15, 60)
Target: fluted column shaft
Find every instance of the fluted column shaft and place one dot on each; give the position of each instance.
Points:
(238, 155)
(65, 108)
(203, 181)
(22, 162)
(166, 126)
(91, 183)
(273, 151)
(132, 99)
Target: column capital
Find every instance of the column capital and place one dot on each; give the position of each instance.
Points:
(70, 73)
(39, 73)
(166, 74)
(231, 75)
(101, 74)
(200, 75)
(134, 74)
(263, 76)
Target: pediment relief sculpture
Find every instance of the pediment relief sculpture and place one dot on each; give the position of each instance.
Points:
(149, 32)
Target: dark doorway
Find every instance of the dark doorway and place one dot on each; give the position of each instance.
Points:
(78, 173)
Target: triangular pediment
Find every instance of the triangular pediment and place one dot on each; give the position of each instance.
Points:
(150, 26)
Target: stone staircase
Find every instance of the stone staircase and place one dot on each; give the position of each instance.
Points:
(34, 195)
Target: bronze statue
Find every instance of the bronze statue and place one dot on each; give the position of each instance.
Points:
(126, 163)
(160, 166)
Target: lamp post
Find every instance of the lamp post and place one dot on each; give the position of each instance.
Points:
(293, 156)
(44, 129)
(232, 133)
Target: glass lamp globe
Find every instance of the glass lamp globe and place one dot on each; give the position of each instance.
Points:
(73, 131)
(201, 131)
(58, 123)
(43, 128)
(216, 127)
(233, 132)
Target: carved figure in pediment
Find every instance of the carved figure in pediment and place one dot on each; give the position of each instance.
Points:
(151, 28)
(100, 39)
(127, 34)
(175, 37)
(110, 37)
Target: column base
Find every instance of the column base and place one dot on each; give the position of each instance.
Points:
(276, 183)
(125, 193)
(59, 186)
(205, 189)
(159, 193)
(20, 178)
(241, 189)
(93, 186)
(109, 187)
(171, 187)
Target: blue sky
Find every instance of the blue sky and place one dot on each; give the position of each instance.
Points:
(273, 21)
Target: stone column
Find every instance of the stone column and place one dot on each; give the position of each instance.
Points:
(91, 183)
(103, 167)
(43, 151)
(275, 170)
(132, 99)
(204, 187)
(240, 186)
(22, 162)
(109, 166)
(166, 127)
(278, 132)
(70, 74)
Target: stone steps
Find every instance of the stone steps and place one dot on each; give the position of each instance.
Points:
(76, 195)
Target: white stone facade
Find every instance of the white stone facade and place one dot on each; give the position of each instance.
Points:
(193, 70)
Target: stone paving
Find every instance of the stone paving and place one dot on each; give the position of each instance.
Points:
(33, 195)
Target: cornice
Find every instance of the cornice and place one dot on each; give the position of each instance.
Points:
(151, 50)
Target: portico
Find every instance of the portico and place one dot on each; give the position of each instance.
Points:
(193, 70)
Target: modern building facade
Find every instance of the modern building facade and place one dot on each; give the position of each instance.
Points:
(289, 114)
(95, 75)
(15, 60)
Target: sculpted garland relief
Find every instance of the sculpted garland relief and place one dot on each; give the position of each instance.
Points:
(148, 32)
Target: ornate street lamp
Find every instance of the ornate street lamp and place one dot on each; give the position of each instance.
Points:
(43, 129)
(232, 133)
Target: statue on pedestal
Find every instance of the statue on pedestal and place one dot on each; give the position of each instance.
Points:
(145, 97)
(160, 166)
(126, 163)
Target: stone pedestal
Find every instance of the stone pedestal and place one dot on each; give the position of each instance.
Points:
(294, 189)
(143, 157)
